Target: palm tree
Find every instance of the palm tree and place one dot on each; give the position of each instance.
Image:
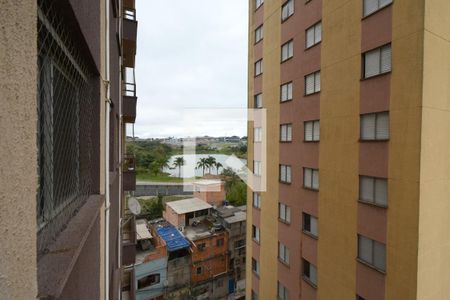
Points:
(178, 163)
(211, 161)
(163, 163)
(202, 163)
(218, 165)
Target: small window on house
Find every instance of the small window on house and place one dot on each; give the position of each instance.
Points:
(283, 292)
(149, 280)
(258, 101)
(257, 131)
(309, 272)
(255, 266)
(377, 61)
(310, 225)
(256, 200)
(258, 3)
(311, 178)
(371, 6)
(372, 252)
(286, 92)
(313, 35)
(258, 67)
(257, 168)
(255, 233)
(373, 190)
(284, 213)
(199, 270)
(287, 10)
(219, 242)
(312, 131)
(285, 174)
(201, 247)
(259, 33)
(312, 83)
(375, 126)
(286, 133)
(283, 253)
(287, 50)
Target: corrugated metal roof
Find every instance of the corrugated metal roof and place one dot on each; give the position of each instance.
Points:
(174, 239)
(142, 232)
(188, 205)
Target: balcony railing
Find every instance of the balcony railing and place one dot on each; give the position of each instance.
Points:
(129, 173)
(129, 37)
(129, 241)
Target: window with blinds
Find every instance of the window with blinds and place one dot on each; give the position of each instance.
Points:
(258, 101)
(286, 133)
(377, 61)
(258, 67)
(310, 225)
(256, 200)
(375, 126)
(312, 83)
(257, 133)
(285, 174)
(372, 252)
(284, 213)
(283, 253)
(283, 292)
(259, 34)
(286, 92)
(309, 272)
(311, 178)
(312, 131)
(257, 168)
(373, 190)
(287, 10)
(287, 50)
(313, 35)
(258, 3)
(371, 6)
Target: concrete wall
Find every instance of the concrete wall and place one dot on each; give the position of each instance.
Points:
(18, 163)
(162, 189)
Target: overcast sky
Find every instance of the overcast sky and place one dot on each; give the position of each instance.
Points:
(191, 55)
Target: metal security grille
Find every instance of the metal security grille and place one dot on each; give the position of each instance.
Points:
(66, 125)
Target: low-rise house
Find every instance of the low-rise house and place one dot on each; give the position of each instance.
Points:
(211, 191)
(186, 212)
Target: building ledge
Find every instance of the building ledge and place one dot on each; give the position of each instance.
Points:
(55, 267)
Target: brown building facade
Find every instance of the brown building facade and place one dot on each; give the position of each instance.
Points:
(357, 163)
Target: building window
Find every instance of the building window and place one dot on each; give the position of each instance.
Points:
(258, 101)
(372, 252)
(257, 131)
(284, 213)
(239, 244)
(375, 126)
(377, 61)
(310, 272)
(285, 174)
(312, 83)
(149, 280)
(286, 133)
(371, 6)
(283, 292)
(257, 168)
(258, 3)
(311, 178)
(283, 253)
(259, 34)
(313, 35)
(201, 247)
(310, 225)
(254, 296)
(312, 131)
(199, 270)
(255, 234)
(287, 50)
(258, 67)
(255, 266)
(256, 200)
(287, 10)
(219, 242)
(373, 190)
(286, 92)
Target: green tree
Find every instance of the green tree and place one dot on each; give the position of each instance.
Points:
(218, 165)
(178, 163)
(210, 162)
(235, 188)
(203, 164)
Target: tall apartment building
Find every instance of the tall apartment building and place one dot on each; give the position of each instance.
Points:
(65, 102)
(358, 149)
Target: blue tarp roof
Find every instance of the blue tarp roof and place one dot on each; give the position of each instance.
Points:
(174, 239)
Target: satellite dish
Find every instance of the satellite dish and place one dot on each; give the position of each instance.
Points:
(134, 206)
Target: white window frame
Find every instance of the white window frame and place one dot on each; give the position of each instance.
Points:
(259, 34)
(313, 175)
(287, 10)
(258, 100)
(282, 292)
(376, 256)
(258, 3)
(283, 253)
(312, 222)
(313, 35)
(258, 67)
(286, 91)
(382, 60)
(378, 190)
(256, 234)
(376, 5)
(312, 135)
(256, 200)
(376, 133)
(286, 133)
(313, 78)
(285, 174)
(257, 134)
(311, 278)
(287, 50)
(257, 168)
(284, 213)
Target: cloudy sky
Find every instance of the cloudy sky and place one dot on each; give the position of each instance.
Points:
(191, 56)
